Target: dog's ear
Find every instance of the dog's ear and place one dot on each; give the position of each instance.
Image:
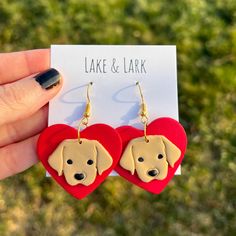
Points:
(104, 160)
(173, 153)
(55, 160)
(127, 159)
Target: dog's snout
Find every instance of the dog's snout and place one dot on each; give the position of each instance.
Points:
(79, 176)
(153, 173)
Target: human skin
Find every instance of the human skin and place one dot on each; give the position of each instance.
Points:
(23, 106)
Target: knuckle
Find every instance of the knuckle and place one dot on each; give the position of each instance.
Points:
(12, 132)
(11, 96)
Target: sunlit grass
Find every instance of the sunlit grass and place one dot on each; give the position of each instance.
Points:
(199, 202)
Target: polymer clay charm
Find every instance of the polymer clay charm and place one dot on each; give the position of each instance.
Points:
(151, 156)
(79, 161)
(150, 159)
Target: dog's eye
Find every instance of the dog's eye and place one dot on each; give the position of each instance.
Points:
(160, 156)
(69, 161)
(140, 159)
(90, 162)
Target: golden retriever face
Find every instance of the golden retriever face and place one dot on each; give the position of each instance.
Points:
(150, 159)
(80, 162)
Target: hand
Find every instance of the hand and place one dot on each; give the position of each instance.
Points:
(24, 95)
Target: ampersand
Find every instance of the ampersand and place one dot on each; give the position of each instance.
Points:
(114, 67)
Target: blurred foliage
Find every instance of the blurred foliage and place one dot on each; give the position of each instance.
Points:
(200, 202)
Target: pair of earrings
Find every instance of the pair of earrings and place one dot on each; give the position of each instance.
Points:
(81, 160)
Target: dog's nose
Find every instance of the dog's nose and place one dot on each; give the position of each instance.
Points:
(152, 173)
(79, 176)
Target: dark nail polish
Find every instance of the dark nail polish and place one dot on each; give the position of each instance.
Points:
(48, 78)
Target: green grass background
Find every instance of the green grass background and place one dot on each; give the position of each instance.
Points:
(202, 201)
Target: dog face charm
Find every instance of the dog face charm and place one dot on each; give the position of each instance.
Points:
(79, 168)
(80, 162)
(151, 165)
(150, 159)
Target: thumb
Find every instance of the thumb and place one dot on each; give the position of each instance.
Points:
(24, 97)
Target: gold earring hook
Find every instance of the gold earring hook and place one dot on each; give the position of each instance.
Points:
(88, 90)
(88, 105)
(143, 112)
(87, 112)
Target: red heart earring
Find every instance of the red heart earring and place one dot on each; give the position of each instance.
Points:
(79, 160)
(151, 156)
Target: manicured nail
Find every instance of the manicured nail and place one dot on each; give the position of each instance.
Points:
(48, 78)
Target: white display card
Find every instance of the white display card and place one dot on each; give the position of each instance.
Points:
(114, 71)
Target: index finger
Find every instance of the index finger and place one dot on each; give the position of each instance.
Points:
(17, 65)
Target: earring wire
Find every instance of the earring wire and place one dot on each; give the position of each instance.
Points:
(87, 112)
(143, 112)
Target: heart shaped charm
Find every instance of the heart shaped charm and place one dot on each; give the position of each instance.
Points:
(151, 164)
(79, 167)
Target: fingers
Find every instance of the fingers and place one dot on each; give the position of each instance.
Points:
(17, 65)
(18, 157)
(24, 97)
(23, 129)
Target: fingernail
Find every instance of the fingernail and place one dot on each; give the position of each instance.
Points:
(48, 78)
